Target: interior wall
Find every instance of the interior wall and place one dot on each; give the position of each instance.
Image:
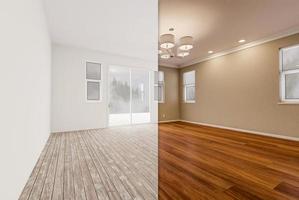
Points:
(70, 111)
(170, 108)
(241, 90)
(25, 85)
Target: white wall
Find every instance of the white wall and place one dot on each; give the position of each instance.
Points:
(70, 111)
(25, 57)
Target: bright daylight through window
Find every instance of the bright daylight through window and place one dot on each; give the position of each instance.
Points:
(159, 86)
(189, 86)
(93, 81)
(289, 74)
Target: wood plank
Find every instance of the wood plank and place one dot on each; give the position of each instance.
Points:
(30, 183)
(255, 167)
(40, 180)
(49, 183)
(89, 187)
(288, 189)
(108, 183)
(238, 193)
(195, 162)
(116, 163)
(69, 191)
(59, 175)
(109, 167)
(98, 184)
(79, 190)
(136, 184)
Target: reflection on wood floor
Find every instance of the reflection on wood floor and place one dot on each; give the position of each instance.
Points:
(113, 163)
(200, 162)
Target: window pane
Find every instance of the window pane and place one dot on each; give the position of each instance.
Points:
(159, 77)
(156, 77)
(160, 93)
(119, 96)
(156, 93)
(189, 77)
(119, 90)
(190, 93)
(140, 96)
(140, 91)
(290, 58)
(292, 86)
(93, 90)
(93, 71)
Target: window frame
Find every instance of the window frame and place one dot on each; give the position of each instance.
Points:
(189, 85)
(282, 80)
(162, 85)
(94, 81)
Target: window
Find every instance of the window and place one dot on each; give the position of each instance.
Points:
(289, 74)
(93, 81)
(189, 86)
(159, 87)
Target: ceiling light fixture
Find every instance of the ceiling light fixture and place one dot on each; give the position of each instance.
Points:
(210, 52)
(165, 55)
(182, 54)
(242, 41)
(186, 43)
(167, 41)
(167, 46)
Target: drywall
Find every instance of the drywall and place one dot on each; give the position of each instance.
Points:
(170, 108)
(241, 90)
(70, 111)
(25, 70)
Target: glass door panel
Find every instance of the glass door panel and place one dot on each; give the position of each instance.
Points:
(140, 96)
(119, 96)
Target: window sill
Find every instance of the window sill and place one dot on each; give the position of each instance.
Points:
(189, 101)
(93, 101)
(288, 103)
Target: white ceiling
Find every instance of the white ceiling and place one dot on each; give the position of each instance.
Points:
(128, 28)
(217, 25)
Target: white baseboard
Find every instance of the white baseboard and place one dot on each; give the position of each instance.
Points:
(245, 131)
(167, 121)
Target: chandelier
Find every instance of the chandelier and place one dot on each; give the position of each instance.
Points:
(168, 49)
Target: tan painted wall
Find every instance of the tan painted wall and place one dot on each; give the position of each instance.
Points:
(241, 90)
(171, 105)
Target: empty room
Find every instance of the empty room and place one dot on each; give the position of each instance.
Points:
(149, 99)
(228, 100)
(79, 119)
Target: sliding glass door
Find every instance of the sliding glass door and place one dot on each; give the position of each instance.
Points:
(140, 96)
(129, 97)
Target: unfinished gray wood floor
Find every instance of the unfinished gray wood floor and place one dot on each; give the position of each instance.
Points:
(112, 163)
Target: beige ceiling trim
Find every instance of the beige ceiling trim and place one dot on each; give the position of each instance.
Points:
(242, 47)
(167, 65)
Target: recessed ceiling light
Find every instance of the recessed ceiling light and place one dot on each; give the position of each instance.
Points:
(210, 51)
(242, 41)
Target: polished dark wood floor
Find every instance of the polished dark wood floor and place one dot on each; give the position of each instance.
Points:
(200, 162)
